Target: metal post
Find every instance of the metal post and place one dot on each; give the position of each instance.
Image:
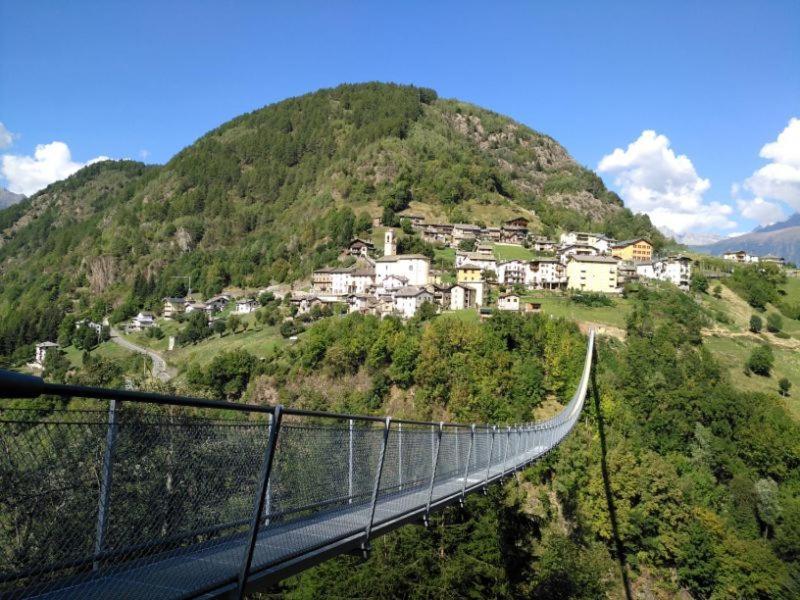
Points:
(350, 465)
(376, 489)
(505, 451)
(258, 503)
(469, 456)
(433, 473)
(491, 449)
(105, 481)
(268, 503)
(400, 455)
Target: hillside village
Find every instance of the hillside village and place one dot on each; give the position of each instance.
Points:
(401, 283)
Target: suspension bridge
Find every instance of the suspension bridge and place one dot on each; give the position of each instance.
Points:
(157, 496)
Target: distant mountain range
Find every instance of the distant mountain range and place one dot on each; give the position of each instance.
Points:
(8, 198)
(780, 239)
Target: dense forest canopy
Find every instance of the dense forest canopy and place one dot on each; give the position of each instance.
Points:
(271, 195)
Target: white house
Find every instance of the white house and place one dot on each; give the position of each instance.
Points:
(577, 250)
(512, 272)
(217, 303)
(414, 267)
(740, 256)
(484, 261)
(546, 274)
(508, 302)
(461, 296)
(598, 241)
(361, 280)
(391, 284)
(196, 307)
(676, 269)
(245, 306)
(144, 320)
(408, 299)
(42, 349)
(340, 281)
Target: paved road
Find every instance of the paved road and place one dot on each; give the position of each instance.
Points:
(160, 369)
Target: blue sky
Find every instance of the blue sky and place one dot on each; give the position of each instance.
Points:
(714, 81)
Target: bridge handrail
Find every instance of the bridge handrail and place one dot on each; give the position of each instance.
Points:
(384, 456)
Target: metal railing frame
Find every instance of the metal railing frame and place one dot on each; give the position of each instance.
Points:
(16, 385)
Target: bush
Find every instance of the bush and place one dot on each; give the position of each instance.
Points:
(592, 299)
(761, 361)
(774, 322)
(784, 385)
(699, 283)
(756, 324)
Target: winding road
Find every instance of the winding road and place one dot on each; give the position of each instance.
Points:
(160, 369)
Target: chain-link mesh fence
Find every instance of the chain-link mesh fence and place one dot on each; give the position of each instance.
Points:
(160, 501)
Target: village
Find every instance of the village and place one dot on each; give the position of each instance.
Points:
(383, 282)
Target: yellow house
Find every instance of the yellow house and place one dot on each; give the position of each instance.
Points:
(469, 273)
(635, 250)
(592, 274)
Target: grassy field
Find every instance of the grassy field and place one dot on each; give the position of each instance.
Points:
(732, 352)
(259, 341)
(108, 350)
(512, 252)
(561, 306)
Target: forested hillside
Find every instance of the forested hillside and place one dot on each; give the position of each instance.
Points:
(704, 480)
(272, 194)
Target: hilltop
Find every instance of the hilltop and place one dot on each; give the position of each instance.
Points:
(779, 239)
(8, 198)
(264, 197)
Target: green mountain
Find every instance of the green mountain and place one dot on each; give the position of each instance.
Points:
(270, 195)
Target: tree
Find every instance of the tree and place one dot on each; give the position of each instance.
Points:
(196, 328)
(761, 360)
(699, 282)
(756, 324)
(774, 322)
(784, 385)
(218, 326)
(234, 321)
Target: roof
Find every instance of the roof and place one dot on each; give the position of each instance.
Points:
(145, 313)
(469, 267)
(46, 345)
(397, 257)
(363, 273)
(410, 291)
(359, 240)
(467, 226)
(244, 300)
(624, 243)
(175, 300)
(218, 298)
(519, 219)
(501, 296)
(478, 256)
(594, 259)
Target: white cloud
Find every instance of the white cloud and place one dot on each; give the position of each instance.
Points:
(656, 181)
(144, 153)
(762, 211)
(780, 179)
(49, 163)
(6, 137)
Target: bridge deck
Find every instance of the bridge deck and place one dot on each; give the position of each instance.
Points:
(200, 568)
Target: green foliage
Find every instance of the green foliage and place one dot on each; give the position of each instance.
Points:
(761, 360)
(757, 284)
(227, 375)
(196, 328)
(774, 322)
(756, 324)
(784, 385)
(699, 282)
(592, 299)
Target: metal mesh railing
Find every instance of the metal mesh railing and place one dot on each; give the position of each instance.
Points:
(197, 496)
